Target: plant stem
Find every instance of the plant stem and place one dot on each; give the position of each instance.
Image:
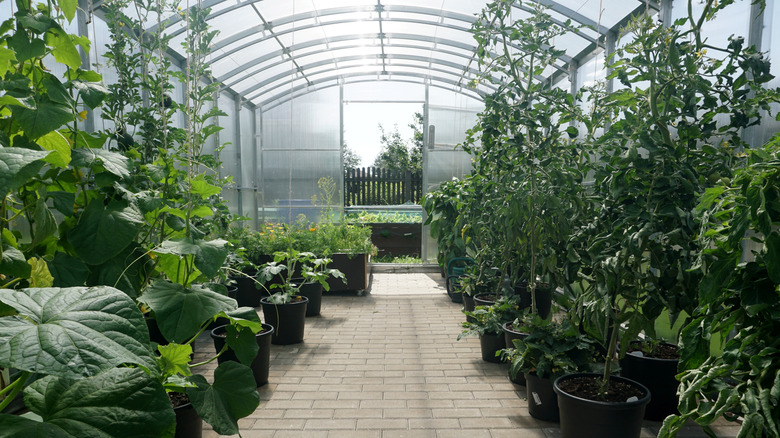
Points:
(14, 387)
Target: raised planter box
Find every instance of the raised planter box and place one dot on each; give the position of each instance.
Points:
(397, 239)
(354, 267)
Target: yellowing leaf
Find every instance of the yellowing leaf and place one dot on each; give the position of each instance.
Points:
(40, 277)
(55, 141)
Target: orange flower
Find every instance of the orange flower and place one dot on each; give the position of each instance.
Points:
(313, 229)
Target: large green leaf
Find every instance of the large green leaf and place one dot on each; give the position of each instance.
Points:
(127, 271)
(68, 271)
(55, 141)
(113, 162)
(181, 310)
(232, 396)
(45, 224)
(63, 49)
(45, 118)
(14, 263)
(104, 230)
(17, 166)
(209, 255)
(14, 426)
(772, 256)
(120, 402)
(92, 93)
(72, 332)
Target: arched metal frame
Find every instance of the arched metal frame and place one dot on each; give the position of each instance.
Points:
(449, 56)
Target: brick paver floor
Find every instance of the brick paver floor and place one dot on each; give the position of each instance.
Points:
(388, 365)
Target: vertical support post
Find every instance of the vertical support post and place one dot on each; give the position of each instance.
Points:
(753, 135)
(426, 239)
(83, 30)
(237, 143)
(665, 14)
(342, 188)
(611, 43)
(261, 165)
(255, 205)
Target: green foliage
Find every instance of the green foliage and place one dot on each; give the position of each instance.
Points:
(441, 209)
(551, 349)
(396, 154)
(383, 217)
(311, 268)
(491, 319)
(739, 294)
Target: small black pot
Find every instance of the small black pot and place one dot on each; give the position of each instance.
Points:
(246, 293)
(453, 290)
(468, 305)
(542, 401)
(509, 336)
(262, 363)
(658, 376)
(582, 418)
(312, 291)
(188, 422)
(288, 319)
(490, 344)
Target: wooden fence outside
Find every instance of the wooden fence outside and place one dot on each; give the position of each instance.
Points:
(375, 186)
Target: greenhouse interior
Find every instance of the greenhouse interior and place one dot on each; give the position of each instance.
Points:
(213, 224)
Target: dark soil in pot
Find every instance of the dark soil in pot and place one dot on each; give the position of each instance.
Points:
(619, 416)
(312, 291)
(510, 334)
(489, 344)
(188, 423)
(542, 401)
(288, 319)
(656, 370)
(262, 363)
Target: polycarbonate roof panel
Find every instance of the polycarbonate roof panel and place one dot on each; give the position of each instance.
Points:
(266, 48)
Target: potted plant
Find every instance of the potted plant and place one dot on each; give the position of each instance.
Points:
(488, 324)
(314, 278)
(549, 350)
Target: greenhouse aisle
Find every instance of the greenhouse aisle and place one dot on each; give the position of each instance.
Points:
(388, 365)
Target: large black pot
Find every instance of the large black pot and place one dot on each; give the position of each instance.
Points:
(543, 298)
(658, 376)
(509, 336)
(542, 401)
(312, 291)
(288, 320)
(490, 344)
(188, 422)
(485, 299)
(246, 293)
(583, 418)
(261, 364)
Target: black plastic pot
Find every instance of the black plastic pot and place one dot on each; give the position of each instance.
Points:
(543, 299)
(288, 319)
(468, 305)
(490, 344)
(658, 376)
(246, 293)
(312, 291)
(188, 422)
(262, 363)
(509, 336)
(542, 401)
(582, 418)
(487, 299)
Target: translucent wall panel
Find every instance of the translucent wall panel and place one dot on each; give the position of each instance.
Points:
(450, 115)
(248, 166)
(300, 144)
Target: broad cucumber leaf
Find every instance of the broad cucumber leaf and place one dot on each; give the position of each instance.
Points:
(127, 271)
(72, 332)
(104, 231)
(63, 49)
(14, 426)
(175, 359)
(45, 224)
(111, 161)
(6, 57)
(173, 266)
(119, 402)
(68, 271)
(45, 118)
(772, 256)
(232, 396)
(55, 141)
(209, 255)
(92, 93)
(203, 188)
(68, 8)
(243, 342)
(24, 48)
(181, 310)
(14, 263)
(17, 166)
(202, 211)
(40, 275)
